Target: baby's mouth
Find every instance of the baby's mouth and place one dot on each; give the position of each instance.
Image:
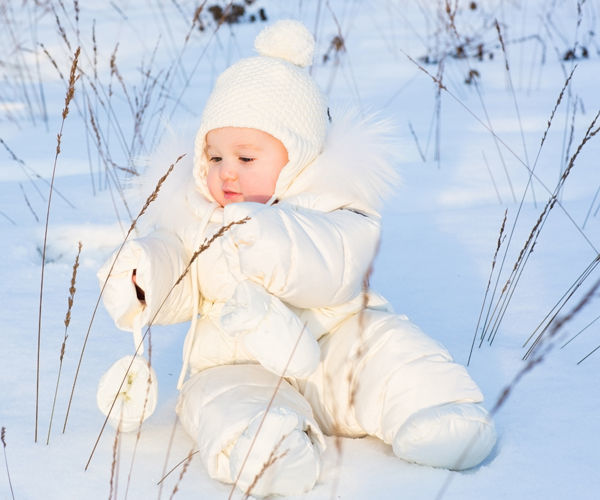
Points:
(230, 194)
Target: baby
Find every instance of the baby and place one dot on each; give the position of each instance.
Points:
(286, 340)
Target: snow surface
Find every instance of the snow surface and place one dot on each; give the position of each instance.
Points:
(439, 237)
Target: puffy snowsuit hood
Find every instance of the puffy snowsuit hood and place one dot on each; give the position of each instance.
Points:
(271, 92)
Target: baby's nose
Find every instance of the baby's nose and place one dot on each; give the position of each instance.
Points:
(228, 171)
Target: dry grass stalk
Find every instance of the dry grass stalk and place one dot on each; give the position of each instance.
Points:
(202, 248)
(487, 289)
(186, 464)
(67, 321)
(8, 218)
(269, 463)
(262, 420)
(3, 438)
(61, 29)
(114, 466)
(169, 446)
(350, 376)
(580, 332)
(541, 352)
(416, 139)
(35, 216)
(514, 225)
(551, 316)
(531, 241)
(145, 405)
(149, 200)
(29, 173)
(68, 98)
(544, 348)
(487, 166)
(516, 105)
(176, 466)
(441, 86)
(11, 153)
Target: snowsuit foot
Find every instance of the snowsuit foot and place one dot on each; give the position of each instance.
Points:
(381, 375)
(223, 409)
(453, 436)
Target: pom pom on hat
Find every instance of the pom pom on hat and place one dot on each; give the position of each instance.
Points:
(287, 39)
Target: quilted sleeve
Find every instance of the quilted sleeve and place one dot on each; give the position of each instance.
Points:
(159, 260)
(305, 257)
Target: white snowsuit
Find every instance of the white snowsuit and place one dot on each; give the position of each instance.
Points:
(294, 273)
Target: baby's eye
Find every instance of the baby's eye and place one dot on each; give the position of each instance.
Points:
(246, 159)
(214, 159)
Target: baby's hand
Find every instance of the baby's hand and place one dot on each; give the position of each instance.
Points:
(141, 295)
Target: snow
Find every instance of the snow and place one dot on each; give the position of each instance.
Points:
(439, 232)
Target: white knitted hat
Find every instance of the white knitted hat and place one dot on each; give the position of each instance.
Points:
(272, 92)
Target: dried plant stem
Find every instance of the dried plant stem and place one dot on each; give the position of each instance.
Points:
(544, 348)
(516, 104)
(514, 224)
(416, 139)
(9, 219)
(67, 321)
(114, 466)
(169, 446)
(176, 466)
(149, 200)
(487, 166)
(37, 219)
(529, 245)
(139, 430)
(68, 98)
(186, 464)
(551, 316)
(580, 332)
(269, 463)
(195, 255)
(3, 437)
(29, 172)
(540, 354)
(503, 143)
(352, 369)
(487, 288)
(588, 355)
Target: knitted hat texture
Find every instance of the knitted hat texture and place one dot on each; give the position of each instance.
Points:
(271, 92)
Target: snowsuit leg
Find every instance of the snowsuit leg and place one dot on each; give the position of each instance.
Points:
(222, 409)
(381, 375)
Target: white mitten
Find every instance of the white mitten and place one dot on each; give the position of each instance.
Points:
(272, 333)
(136, 398)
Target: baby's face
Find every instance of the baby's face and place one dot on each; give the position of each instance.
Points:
(243, 164)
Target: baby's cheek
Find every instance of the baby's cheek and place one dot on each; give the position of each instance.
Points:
(214, 184)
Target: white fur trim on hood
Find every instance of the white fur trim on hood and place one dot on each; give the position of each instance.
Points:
(355, 171)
